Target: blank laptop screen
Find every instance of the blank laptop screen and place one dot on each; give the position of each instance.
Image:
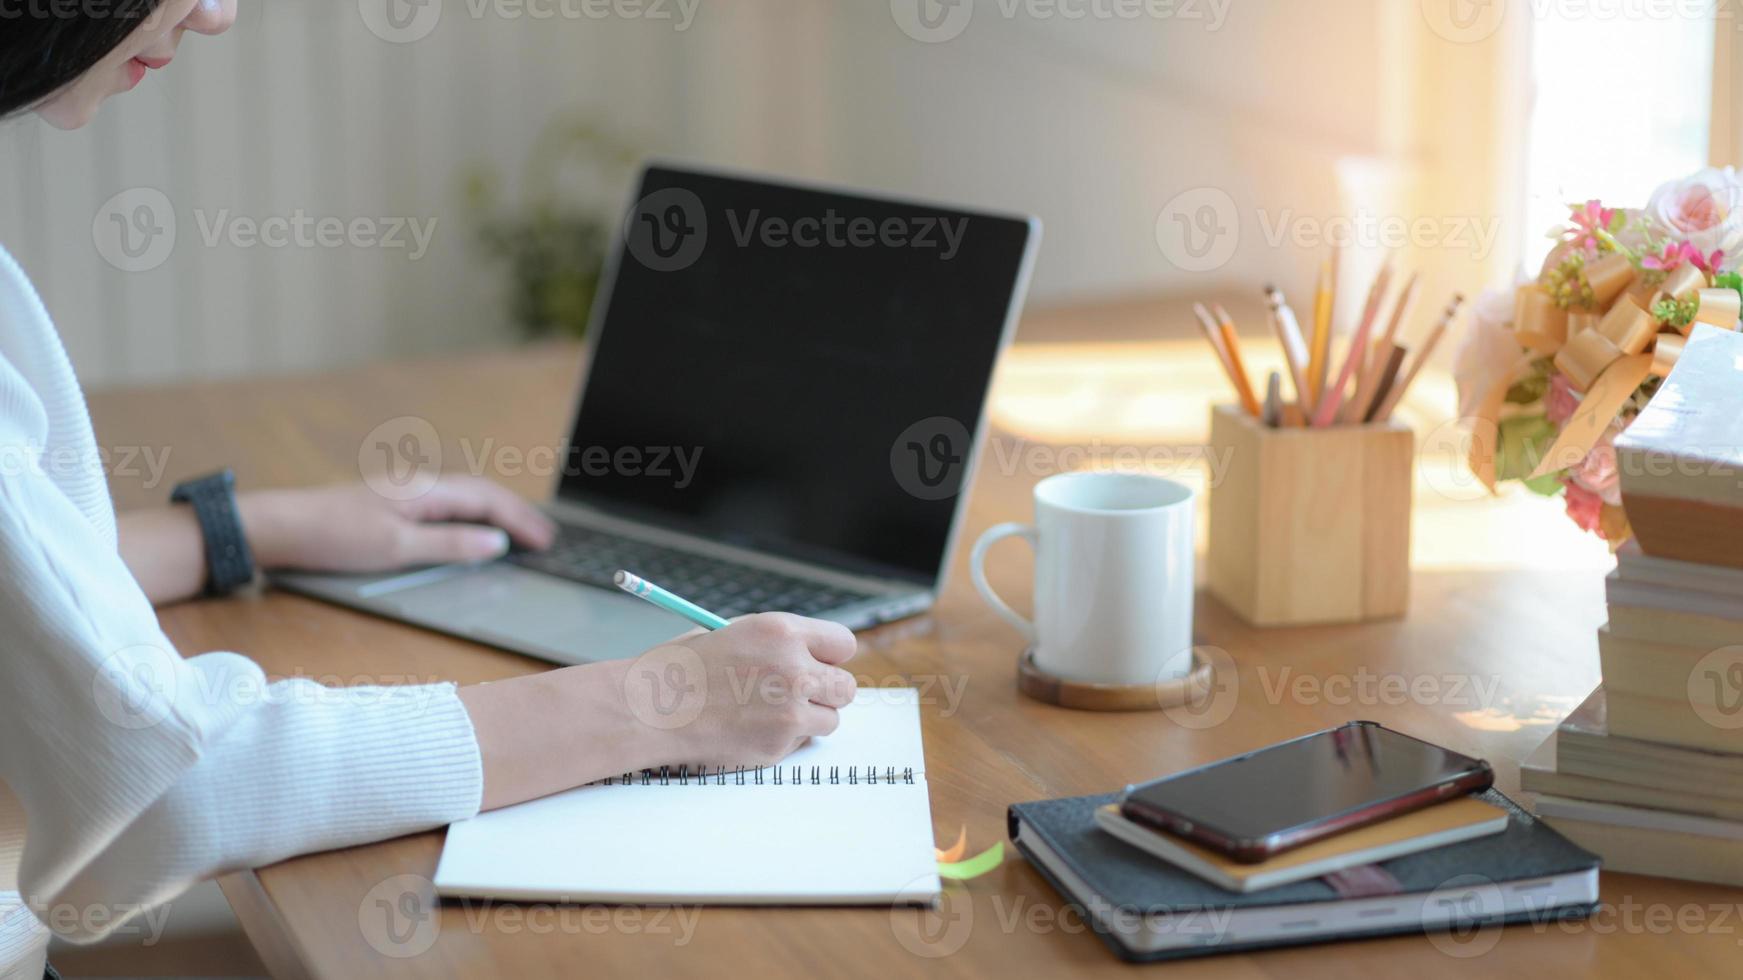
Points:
(793, 370)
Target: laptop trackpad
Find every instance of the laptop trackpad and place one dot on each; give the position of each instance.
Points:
(511, 606)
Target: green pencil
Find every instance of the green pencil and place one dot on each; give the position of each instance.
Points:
(641, 588)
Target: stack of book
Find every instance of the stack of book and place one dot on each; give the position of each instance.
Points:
(1648, 772)
(1464, 865)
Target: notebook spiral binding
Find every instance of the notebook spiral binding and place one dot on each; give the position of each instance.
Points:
(761, 776)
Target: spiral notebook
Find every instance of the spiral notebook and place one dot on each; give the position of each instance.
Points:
(845, 820)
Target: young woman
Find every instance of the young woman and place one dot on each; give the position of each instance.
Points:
(127, 772)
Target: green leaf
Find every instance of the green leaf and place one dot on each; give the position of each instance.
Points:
(1678, 313)
(1524, 439)
(1547, 485)
(1530, 389)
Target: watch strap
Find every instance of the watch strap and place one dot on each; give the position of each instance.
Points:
(229, 562)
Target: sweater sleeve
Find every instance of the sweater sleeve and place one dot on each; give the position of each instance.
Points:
(141, 772)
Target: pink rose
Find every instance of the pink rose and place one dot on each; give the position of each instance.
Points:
(1693, 208)
(1597, 472)
(1704, 209)
(1561, 402)
(1584, 507)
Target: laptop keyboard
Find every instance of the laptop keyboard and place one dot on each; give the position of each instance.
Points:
(591, 556)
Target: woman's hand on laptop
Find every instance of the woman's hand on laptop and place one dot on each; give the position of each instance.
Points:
(351, 528)
(746, 695)
(347, 528)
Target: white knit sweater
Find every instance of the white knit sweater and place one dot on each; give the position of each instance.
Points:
(126, 772)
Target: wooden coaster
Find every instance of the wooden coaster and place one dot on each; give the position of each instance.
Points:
(1085, 696)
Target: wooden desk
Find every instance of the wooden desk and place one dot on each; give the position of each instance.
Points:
(1527, 632)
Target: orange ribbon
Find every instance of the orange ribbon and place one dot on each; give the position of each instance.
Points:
(1605, 350)
(1597, 410)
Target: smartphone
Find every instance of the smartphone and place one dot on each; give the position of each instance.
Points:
(1255, 806)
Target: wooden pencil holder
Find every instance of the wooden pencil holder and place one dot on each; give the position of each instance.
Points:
(1310, 525)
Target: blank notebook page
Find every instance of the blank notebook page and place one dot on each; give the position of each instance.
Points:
(845, 820)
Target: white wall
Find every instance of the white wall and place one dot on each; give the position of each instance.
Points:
(1095, 124)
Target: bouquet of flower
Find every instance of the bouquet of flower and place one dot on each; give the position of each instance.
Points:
(1550, 372)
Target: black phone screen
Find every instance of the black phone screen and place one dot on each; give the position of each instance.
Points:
(1304, 781)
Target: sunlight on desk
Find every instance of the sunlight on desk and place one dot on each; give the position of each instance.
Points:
(1145, 405)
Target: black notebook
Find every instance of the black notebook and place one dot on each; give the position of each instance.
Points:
(1147, 909)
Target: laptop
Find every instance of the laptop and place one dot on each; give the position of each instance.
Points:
(784, 397)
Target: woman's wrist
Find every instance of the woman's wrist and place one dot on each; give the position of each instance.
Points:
(268, 522)
(545, 733)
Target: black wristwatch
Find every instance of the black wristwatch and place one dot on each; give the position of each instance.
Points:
(229, 563)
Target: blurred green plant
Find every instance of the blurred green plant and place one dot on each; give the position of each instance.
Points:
(553, 239)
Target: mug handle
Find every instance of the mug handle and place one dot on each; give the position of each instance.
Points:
(977, 571)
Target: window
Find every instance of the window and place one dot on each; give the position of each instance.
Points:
(1622, 104)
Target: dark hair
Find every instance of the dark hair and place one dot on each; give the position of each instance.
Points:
(46, 44)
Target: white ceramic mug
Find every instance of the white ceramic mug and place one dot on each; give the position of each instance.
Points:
(1113, 577)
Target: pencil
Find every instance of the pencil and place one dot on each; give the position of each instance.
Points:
(641, 588)
(1389, 374)
(1232, 344)
(1402, 385)
(1274, 400)
(1368, 393)
(1405, 307)
(1320, 348)
(1333, 396)
(1213, 333)
(1294, 350)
